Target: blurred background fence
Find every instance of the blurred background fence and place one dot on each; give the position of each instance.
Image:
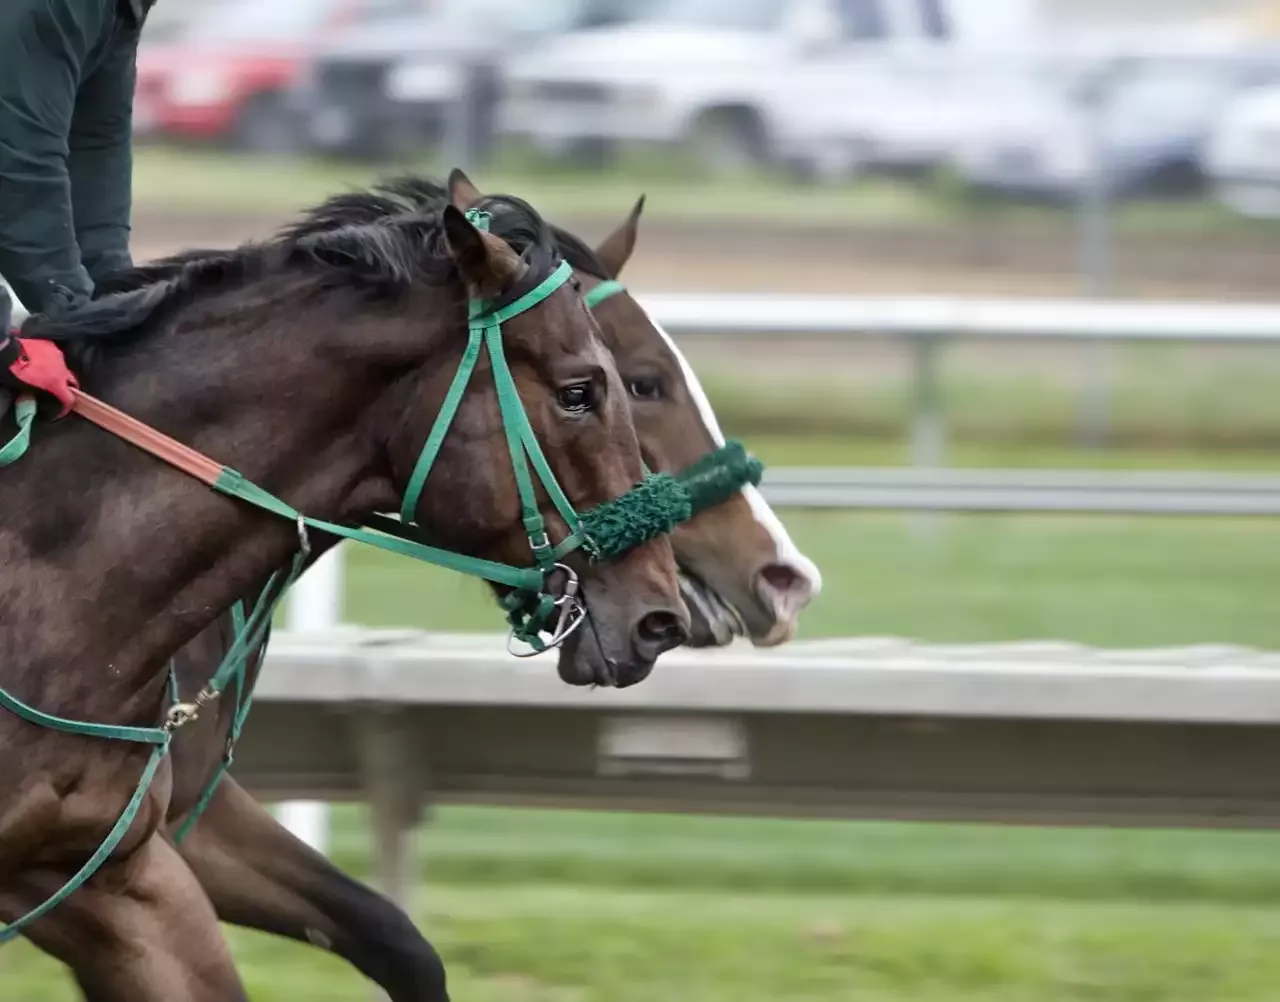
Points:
(1009, 259)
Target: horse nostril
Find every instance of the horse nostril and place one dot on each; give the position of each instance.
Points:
(784, 586)
(661, 631)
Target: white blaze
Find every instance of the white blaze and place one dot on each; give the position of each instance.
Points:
(787, 552)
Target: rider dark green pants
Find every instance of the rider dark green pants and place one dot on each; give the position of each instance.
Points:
(67, 70)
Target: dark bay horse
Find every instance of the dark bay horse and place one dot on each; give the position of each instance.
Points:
(739, 570)
(315, 364)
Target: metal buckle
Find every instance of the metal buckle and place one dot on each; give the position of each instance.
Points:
(573, 612)
(540, 544)
(181, 714)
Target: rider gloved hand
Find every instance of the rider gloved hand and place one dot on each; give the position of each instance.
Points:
(27, 365)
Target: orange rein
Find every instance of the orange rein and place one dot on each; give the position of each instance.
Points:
(146, 438)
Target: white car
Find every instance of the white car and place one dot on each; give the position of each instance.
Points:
(898, 106)
(1149, 136)
(738, 82)
(1241, 158)
(699, 67)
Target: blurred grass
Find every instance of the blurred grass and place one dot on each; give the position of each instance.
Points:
(1209, 402)
(484, 846)
(192, 179)
(566, 945)
(545, 906)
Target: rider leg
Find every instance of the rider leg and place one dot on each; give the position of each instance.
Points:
(141, 930)
(259, 875)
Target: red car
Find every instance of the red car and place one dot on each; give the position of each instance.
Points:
(225, 78)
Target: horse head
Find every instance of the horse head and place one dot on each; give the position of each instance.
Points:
(740, 572)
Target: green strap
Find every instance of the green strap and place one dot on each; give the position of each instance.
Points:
(601, 292)
(24, 413)
(113, 732)
(244, 697)
(521, 438)
(233, 484)
(509, 406)
(522, 443)
(452, 400)
(206, 795)
(251, 631)
(108, 846)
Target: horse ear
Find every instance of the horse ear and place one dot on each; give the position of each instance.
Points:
(462, 193)
(487, 264)
(618, 245)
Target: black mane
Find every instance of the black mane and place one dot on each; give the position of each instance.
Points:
(412, 194)
(376, 241)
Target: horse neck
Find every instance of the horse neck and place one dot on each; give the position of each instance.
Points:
(114, 560)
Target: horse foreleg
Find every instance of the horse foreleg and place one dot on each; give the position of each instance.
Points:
(260, 876)
(141, 930)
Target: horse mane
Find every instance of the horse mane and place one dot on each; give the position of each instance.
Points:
(376, 242)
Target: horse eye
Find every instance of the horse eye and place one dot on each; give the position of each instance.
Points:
(645, 388)
(577, 398)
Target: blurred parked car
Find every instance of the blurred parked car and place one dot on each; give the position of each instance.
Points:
(692, 72)
(1242, 154)
(1039, 142)
(900, 107)
(225, 75)
(389, 88)
(726, 79)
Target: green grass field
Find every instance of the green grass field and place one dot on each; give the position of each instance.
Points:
(546, 906)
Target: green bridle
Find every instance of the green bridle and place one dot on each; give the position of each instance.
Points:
(529, 606)
(650, 509)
